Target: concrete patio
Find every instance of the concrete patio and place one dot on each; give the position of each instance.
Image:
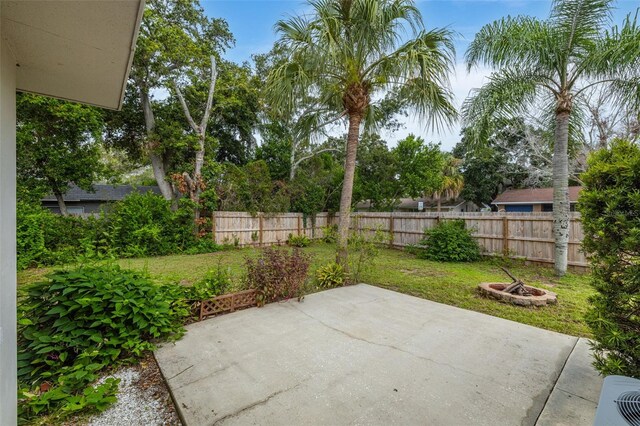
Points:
(364, 355)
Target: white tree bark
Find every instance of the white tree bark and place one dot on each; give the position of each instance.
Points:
(157, 163)
(561, 208)
(194, 182)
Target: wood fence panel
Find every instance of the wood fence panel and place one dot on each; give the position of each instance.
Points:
(519, 235)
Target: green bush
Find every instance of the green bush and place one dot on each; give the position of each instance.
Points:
(139, 225)
(215, 283)
(76, 323)
(610, 207)
(298, 240)
(30, 235)
(330, 234)
(143, 225)
(331, 275)
(364, 247)
(448, 241)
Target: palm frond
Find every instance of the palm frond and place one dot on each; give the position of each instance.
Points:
(521, 42)
(580, 21)
(616, 53)
(419, 71)
(508, 94)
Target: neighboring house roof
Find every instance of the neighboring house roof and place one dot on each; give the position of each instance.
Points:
(103, 193)
(534, 196)
(74, 50)
(412, 203)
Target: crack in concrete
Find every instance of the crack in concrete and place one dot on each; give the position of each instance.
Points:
(176, 375)
(577, 396)
(206, 376)
(394, 347)
(544, 398)
(257, 403)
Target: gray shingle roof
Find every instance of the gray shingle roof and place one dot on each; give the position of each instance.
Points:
(103, 193)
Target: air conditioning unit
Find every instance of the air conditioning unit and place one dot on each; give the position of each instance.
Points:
(619, 403)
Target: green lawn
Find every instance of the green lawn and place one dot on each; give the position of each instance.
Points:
(450, 283)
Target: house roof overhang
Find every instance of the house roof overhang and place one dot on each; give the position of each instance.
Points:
(78, 50)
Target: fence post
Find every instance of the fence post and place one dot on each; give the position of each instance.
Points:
(391, 230)
(505, 235)
(213, 226)
(260, 235)
(299, 224)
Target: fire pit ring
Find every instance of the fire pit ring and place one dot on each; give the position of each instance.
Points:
(537, 297)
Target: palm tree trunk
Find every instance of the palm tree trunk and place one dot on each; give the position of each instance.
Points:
(347, 187)
(561, 192)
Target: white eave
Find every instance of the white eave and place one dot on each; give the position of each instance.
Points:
(74, 50)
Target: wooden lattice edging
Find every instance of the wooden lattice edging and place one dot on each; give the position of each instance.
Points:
(228, 303)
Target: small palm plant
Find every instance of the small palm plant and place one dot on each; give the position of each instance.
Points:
(452, 181)
(343, 54)
(549, 66)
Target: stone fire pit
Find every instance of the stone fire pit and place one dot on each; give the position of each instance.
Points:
(536, 297)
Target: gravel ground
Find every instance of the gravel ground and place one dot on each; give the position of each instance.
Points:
(143, 398)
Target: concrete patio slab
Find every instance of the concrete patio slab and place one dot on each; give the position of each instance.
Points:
(575, 396)
(363, 355)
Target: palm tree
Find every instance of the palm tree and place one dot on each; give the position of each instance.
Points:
(452, 181)
(344, 53)
(549, 66)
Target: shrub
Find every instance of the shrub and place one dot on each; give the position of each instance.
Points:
(203, 245)
(331, 275)
(45, 238)
(79, 321)
(363, 248)
(30, 235)
(298, 240)
(609, 204)
(449, 241)
(141, 225)
(278, 274)
(215, 282)
(330, 234)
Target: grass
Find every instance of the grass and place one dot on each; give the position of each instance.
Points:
(450, 283)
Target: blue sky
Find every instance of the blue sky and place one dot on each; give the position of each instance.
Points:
(252, 21)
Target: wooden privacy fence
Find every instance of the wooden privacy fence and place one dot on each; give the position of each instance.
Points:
(245, 229)
(526, 236)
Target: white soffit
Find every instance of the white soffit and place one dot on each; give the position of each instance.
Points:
(74, 50)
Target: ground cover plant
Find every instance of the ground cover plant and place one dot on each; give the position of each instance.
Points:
(452, 283)
(78, 322)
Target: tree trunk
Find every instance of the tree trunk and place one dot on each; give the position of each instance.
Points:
(292, 158)
(197, 176)
(439, 204)
(347, 187)
(61, 203)
(157, 163)
(561, 192)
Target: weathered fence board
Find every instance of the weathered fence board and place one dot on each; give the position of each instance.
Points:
(526, 236)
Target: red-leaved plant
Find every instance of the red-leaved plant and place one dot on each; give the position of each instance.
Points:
(278, 274)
